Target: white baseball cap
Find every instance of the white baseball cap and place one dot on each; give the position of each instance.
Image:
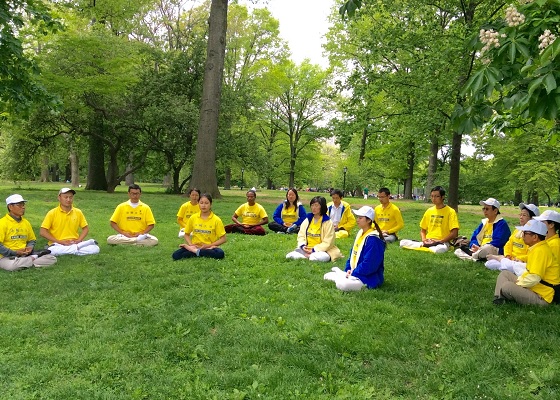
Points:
(549, 215)
(534, 226)
(490, 202)
(66, 190)
(365, 211)
(530, 207)
(15, 198)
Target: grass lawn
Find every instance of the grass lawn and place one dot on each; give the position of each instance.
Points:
(130, 323)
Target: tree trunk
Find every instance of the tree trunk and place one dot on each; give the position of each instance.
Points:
(45, 169)
(74, 168)
(96, 178)
(129, 179)
(409, 173)
(518, 197)
(204, 169)
(227, 180)
(432, 162)
(293, 171)
(454, 169)
(112, 172)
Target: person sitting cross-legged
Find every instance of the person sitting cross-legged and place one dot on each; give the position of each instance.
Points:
(204, 233)
(341, 215)
(316, 236)
(17, 239)
(289, 215)
(133, 220)
(438, 226)
(62, 225)
(543, 271)
(253, 217)
(388, 216)
(365, 266)
(489, 237)
(515, 250)
(187, 209)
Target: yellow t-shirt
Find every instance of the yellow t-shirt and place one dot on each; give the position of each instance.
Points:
(542, 262)
(15, 235)
(488, 229)
(185, 212)
(133, 219)
(357, 243)
(64, 225)
(389, 218)
(438, 222)
(554, 244)
(314, 233)
(290, 215)
(205, 231)
(251, 215)
(516, 247)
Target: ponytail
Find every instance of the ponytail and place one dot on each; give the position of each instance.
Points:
(378, 229)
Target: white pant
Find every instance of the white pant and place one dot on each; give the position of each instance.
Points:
(142, 240)
(505, 264)
(346, 284)
(298, 254)
(413, 244)
(84, 248)
(182, 232)
(389, 238)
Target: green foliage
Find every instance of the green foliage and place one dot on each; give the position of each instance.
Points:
(519, 71)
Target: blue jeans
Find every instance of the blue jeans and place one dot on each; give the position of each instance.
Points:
(216, 253)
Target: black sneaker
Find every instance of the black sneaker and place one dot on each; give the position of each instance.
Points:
(43, 253)
(498, 301)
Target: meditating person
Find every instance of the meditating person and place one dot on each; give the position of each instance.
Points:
(489, 237)
(17, 239)
(133, 221)
(515, 250)
(542, 271)
(316, 235)
(551, 219)
(388, 216)
(65, 227)
(204, 233)
(438, 226)
(340, 213)
(365, 265)
(252, 215)
(289, 215)
(187, 209)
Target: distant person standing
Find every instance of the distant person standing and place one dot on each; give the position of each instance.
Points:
(366, 193)
(388, 216)
(133, 220)
(65, 227)
(17, 239)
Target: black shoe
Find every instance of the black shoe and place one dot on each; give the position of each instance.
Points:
(498, 301)
(43, 253)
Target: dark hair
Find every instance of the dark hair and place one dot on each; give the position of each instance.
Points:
(194, 190)
(438, 189)
(337, 191)
(134, 186)
(541, 237)
(322, 202)
(251, 191)
(495, 208)
(531, 213)
(287, 202)
(206, 195)
(384, 190)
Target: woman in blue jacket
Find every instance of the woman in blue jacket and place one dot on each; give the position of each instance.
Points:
(365, 266)
(289, 215)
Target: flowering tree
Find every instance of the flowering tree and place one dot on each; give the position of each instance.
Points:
(519, 67)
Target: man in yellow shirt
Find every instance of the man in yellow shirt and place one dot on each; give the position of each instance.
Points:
(388, 216)
(133, 220)
(438, 226)
(534, 285)
(62, 225)
(341, 215)
(17, 239)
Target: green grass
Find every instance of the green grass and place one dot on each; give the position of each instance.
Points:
(131, 324)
